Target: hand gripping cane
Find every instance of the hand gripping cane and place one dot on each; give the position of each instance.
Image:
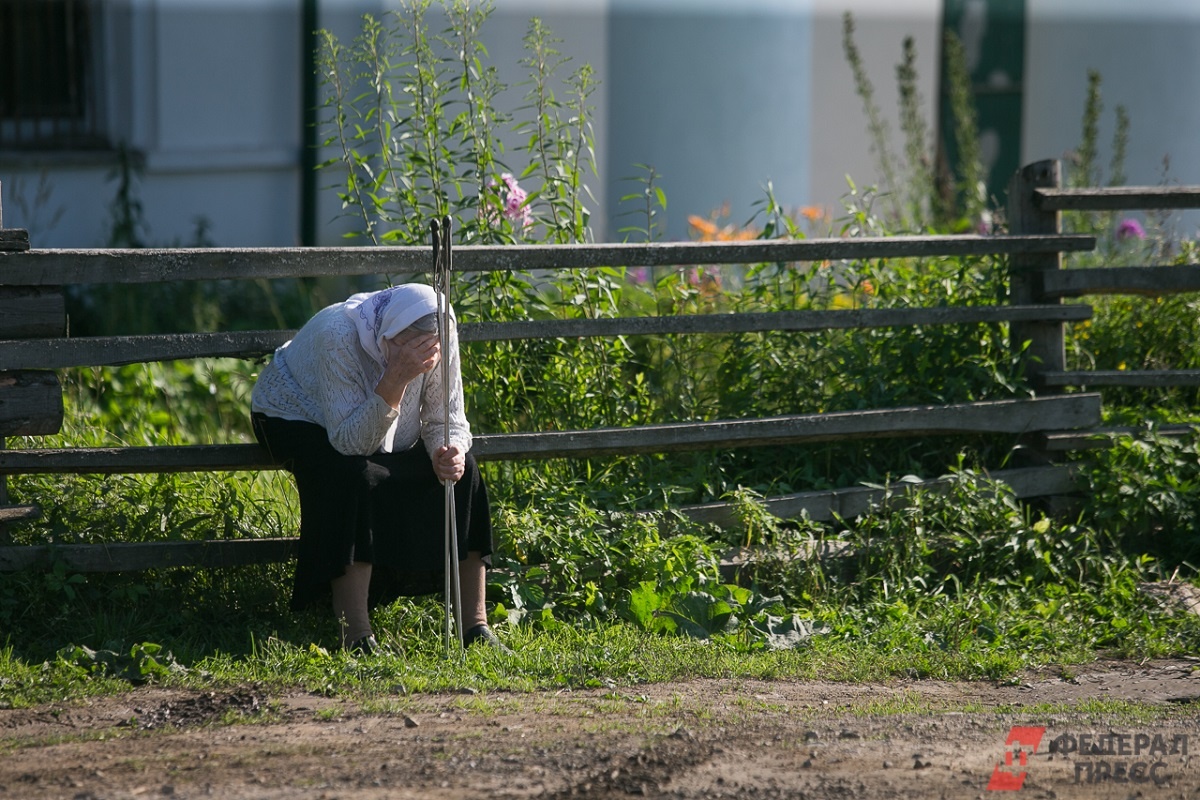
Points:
(442, 265)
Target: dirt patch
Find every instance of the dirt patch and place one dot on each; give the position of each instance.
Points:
(698, 739)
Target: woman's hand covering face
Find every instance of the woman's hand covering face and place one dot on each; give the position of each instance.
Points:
(410, 353)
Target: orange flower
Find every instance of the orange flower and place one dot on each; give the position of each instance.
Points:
(812, 213)
(731, 234)
(705, 228)
(710, 230)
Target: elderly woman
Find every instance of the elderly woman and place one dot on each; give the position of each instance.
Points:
(353, 407)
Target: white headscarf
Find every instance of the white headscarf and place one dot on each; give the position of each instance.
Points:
(383, 314)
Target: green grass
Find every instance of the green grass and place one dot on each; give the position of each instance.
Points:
(616, 655)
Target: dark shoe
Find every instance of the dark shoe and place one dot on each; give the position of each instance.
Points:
(482, 635)
(364, 646)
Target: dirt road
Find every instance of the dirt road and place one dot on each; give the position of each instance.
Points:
(1046, 736)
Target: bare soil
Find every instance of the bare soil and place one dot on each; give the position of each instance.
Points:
(697, 739)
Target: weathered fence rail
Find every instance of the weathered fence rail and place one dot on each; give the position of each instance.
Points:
(997, 416)
(1150, 281)
(108, 351)
(1116, 198)
(33, 343)
(68, 267)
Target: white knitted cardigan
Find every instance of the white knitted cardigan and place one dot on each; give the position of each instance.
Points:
(324, 376)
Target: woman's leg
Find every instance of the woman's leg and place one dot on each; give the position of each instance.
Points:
(334, 491)
(350, 603)
(472, 584)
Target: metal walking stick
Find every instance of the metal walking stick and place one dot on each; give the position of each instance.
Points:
(442, 266)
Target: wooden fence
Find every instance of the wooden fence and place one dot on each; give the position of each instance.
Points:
(33, 343)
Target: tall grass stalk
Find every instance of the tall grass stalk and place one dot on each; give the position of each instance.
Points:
(877, 125)
(970, 185)
(921, 173)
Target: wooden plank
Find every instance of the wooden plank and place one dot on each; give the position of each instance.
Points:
(136, 460)
(998, 417)
(769, 321)
(1145, 377)
(128, 556)
(13, 240)
(1118, 198)
(116, 350)
(31, 403)
(32, 311)
(1149, 281)
(995, 416)
(109, 351)
(1070, 441)
(62, 267)
(848, 503)
(19, 513)
(1099, 438)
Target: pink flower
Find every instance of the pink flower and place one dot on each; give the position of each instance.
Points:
(987, 223)
(1130, 229)
(513, 200)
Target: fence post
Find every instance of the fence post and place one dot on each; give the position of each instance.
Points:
(1046, 351)
(24, 312)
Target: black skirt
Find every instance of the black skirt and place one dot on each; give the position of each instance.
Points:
(387, 509)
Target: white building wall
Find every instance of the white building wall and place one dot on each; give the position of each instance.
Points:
(1148, 57)
(226, 104)
(717, 97)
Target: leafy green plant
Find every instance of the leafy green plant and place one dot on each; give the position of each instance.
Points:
(414, 120)
(650, 203)
(1083, 169)
(970, 188)
(735, 616)
(877, 126)
(145, 662)
(1146, 488)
